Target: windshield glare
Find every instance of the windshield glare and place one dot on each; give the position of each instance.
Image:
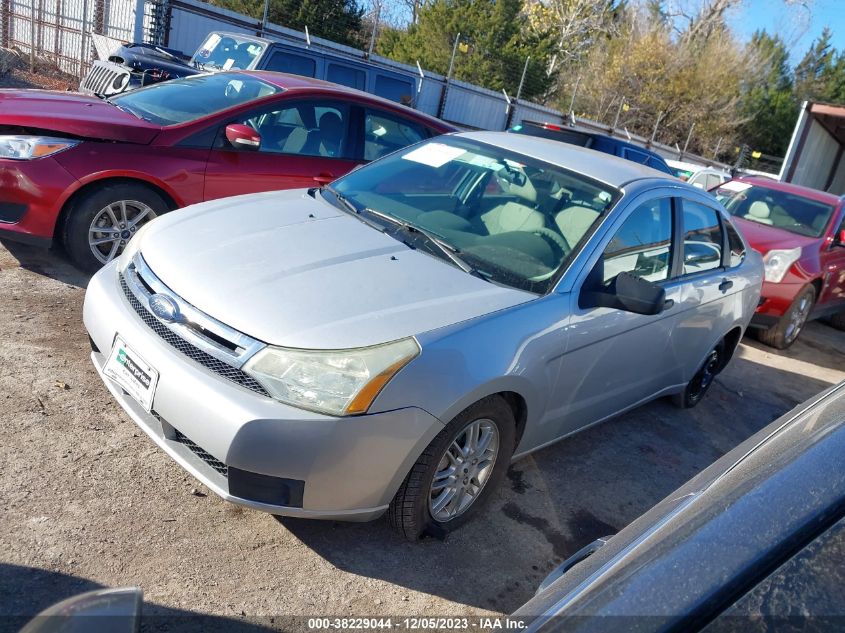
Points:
(182, 100)
(780, 209)
(515, 220)
(227, 52)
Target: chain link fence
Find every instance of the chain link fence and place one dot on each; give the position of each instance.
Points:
(60, 31)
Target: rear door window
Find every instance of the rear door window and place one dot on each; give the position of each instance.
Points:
(385, 133)
(346, 76)
(702, 248)
(396, 89)
(285, 62)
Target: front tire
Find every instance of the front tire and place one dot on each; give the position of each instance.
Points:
(104, 219)
(785, 332)
(457, 473)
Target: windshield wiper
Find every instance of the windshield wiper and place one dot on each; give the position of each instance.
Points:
(127, 110)
(450, 251)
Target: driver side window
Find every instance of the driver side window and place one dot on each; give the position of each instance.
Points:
(304, 128)
(643, 244)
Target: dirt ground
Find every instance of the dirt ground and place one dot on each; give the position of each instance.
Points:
(88, 501)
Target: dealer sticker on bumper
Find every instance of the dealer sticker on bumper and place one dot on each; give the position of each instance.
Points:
(132, 373)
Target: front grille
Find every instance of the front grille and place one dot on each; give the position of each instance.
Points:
(216, 464)
(220, 368)
(100, 78)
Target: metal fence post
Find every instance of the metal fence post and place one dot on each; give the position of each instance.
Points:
(716, 151)
(574, 92)
(375, 31)
(445, 91)
(689, 136)
(618, 113)
(264, 19)
(82, 38)
(654, 132)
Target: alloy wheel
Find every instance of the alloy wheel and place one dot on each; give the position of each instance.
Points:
(797, 318)
(114, 225)
(463, 470)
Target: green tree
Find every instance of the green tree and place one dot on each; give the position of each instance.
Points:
(769, 104)
(495, 42)
(820, 75)
(336, 20)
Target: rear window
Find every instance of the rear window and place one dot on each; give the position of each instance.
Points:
(556, 134)
(181, 100)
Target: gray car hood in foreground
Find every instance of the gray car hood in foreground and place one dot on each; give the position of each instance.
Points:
(294, 271)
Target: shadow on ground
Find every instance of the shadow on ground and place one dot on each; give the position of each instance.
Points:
(51, 263)
(567, 495)
(27, 591)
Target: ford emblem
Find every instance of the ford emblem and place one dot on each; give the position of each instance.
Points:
(165, 308)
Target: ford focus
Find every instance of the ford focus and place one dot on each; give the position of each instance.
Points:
(391, 342)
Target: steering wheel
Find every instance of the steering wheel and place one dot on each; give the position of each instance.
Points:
(555, 237)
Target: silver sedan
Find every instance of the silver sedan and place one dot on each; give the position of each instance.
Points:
(391, 342)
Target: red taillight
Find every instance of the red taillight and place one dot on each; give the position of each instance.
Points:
(551, 126)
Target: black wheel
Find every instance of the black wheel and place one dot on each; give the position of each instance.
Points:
(700, 383)
(784, 333)
(838, 321)
(104, 219)
(457, 473)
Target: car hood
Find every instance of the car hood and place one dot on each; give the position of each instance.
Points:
(72, 113)
(764, 238)
(292, 270)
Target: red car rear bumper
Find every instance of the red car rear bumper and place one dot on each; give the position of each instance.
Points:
(31, 196)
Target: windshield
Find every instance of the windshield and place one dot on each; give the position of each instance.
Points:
(181, 100)
(781, 209)
(513, 219)
(227, 52)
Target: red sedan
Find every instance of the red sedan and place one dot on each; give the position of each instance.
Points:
(88, 173)
(801, 234)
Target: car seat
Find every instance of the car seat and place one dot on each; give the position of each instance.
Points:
(573, 222)
(759, 211)
(512, 215)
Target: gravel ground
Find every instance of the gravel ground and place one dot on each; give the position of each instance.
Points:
(88, 501)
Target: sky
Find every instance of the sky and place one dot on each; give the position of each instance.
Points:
(798, 23)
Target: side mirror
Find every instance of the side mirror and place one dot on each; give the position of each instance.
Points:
(243, 136)
(627, 292)
(112, 610)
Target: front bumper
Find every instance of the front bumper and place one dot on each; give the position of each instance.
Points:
(342, 468)
(30, 191)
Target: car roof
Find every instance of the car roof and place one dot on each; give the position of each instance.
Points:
(788, 187)
(297, 82)
(597, 165)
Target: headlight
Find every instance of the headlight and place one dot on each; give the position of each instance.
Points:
(131, 248)
(777, 262)
(30, 147)
(337, 382)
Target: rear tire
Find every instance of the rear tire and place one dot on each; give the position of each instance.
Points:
(700, 384)
(411, 511)
(118, 211)
(785, 332)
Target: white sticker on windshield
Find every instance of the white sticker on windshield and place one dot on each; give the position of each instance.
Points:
(434, 154)
(735, 185)
(228, 64)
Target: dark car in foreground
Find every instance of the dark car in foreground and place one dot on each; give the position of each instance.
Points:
(756, 542)
(594, 141)
(88, 173)
(801, 235)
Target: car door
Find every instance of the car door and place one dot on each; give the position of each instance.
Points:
(711, 302)
(303, 143)
(833, 267)
(617, 359)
